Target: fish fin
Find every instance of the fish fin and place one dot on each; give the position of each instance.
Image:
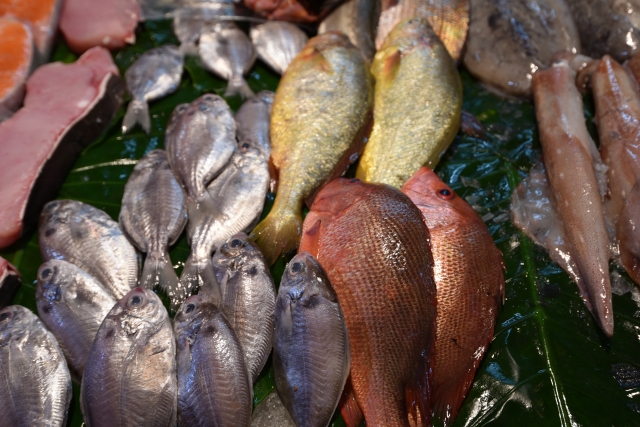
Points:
(137, 112)
(278, 233)
(188, 49)
(198, 209)
(273, 175)
(391, 65)
(448, 398)
(349, 408)
(196, 274)
(237, 85)
(418, 392)
(157, 270)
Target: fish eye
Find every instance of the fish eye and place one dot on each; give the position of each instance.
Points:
(182, 108)
(245, 146)
(445, 193)
(236, 243)
(208, 98)
(135, 300)
(296, 267)
(189, 308)
(5, 316)
(45, 274)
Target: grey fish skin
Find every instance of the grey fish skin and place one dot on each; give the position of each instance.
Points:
(311, 355)
(213, 384)
(253, 121)
(130, 378)
(248, 298)
(35, 384)
(72, 305)
(277, 43)
(226, 50)
(156, 73)
(153, 215)
(200, 141)
(87, 237)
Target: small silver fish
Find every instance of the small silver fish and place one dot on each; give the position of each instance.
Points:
(87, 237)
(191, 19)
(213, 384)
(277, 43)
(35, 385)
(72, 305)
(253, 119)
(156, 73)
(226, 50)
(248, 298)
(153, 214)
(311, 351)
(130, 378)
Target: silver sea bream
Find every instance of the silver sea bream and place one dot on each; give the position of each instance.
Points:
(277, 43)
(253, 120)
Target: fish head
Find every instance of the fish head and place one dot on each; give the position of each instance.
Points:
(190, 317)
(139, 309)
(264, 97)
(151, 161)
(409, 32)
(52, 278)
(236, 252)
(57, 212)
(15, 322)
(304, 279)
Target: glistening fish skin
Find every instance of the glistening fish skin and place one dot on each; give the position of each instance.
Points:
(156, 73)
(35, 384)
(226, 50)
(374, 246)
(247, 298)
(277, 43)
(311, 352)
(72, 305)
(213, 385)
(470, 285)
(322, 103)
(153, 214)
(253, 122)
(418, 102)
(87, 237)
(130, 378)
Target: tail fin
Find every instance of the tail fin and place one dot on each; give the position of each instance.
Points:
(157, 270)
(278, 233)
(448, 398)
(197, 274)
(418, 394)
(237, 85)
(203, 209)
(137, 112)
(349, 409)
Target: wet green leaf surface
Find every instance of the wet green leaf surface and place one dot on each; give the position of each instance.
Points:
(548, 363)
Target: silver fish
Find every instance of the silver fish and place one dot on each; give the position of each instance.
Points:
(311, 351)
(87, 237)
(277, 43)
(200, 140)
(213, 384)
(253, 118)
(72, 304)
(130, 378)
(248, 298)
(153, 214)
(191, 19)
(156, 73)
(35, 384)
(226, 50)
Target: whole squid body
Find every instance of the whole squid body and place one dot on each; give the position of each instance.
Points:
(562, 208)
(227, 51)
(253, 121)
(417, 106)
(277, 43)
(200, 140)
(510, 40)
(155, 74)
(87, 237)
(374, 245)
(311, 352)
(247, 298)
(318, 121)
(72, 305)
(213, 386)
(470, 284)
(153, 215)
(35, 386)
(130, 378)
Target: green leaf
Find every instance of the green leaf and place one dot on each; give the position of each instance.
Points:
(548, 363)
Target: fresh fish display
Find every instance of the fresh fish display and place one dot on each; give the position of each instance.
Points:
(200, 140)
(18, 55)
(9, 282)
(322, 104)
(72, 104)
(153, 215)
(213, 386)
(130, 378)
(156, 73)
(87, 237)
(470, 285)
(384, 282)
(510, 40)
(107, 23)
(35, 385)
(72, 305)
(449, 20)
(576, 183)
(311, 350)
(192, 18)
(247, 299)
(417, 106)
(277, 43)
(227, 51)
(253, 120)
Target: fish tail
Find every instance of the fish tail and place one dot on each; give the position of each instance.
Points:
(278, 233)
(200, 208)
(196, 274)
(418, 392)
(137, 112)
(238, 86)
(349, 408)
(157, 270)
(188, 49)
(447, 398)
